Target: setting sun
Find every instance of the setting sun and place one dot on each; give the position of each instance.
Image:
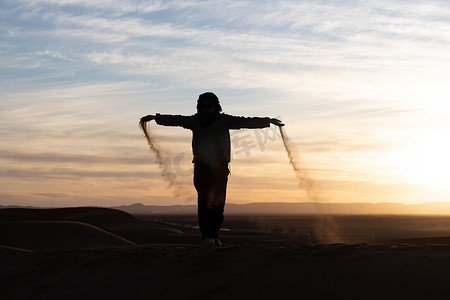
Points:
(425, 160)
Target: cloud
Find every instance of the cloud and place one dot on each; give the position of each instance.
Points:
(58, 157)
(259, 50)
(16, 197)
(63, 174)
(108, 5)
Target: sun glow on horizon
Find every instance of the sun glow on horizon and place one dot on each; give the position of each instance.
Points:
(425, 160)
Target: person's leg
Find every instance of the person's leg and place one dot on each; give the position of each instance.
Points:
(218, 197)
(210, 183)
(201, 183)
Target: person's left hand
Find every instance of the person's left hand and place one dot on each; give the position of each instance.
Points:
(276, 122)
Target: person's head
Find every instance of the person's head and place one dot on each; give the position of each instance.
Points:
(208, 103)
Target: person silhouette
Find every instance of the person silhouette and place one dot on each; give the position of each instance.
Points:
(211, 156)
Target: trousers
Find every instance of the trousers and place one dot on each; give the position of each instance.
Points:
(211, 185)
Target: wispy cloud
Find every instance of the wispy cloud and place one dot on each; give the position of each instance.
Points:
(58, 157)
(71, 174)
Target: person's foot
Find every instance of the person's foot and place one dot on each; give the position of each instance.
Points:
(209, 242)
(217, 242)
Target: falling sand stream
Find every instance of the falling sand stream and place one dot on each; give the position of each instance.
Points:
(326, 230)
(166, 171)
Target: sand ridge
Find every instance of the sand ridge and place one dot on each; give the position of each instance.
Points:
(57, 235)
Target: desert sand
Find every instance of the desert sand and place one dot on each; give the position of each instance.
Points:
(100, 253)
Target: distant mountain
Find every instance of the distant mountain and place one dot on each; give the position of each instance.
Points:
(274, 208)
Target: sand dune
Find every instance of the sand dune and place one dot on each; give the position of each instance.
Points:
(112, 221)
(105, 218)
(90, 253)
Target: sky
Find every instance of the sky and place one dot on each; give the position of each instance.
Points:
(362, 87)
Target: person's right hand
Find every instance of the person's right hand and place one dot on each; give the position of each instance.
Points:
(147, 118)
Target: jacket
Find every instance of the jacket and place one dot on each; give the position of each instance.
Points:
(211, 144)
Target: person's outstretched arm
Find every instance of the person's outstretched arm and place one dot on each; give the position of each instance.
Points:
(235, 122)
(171, 120)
